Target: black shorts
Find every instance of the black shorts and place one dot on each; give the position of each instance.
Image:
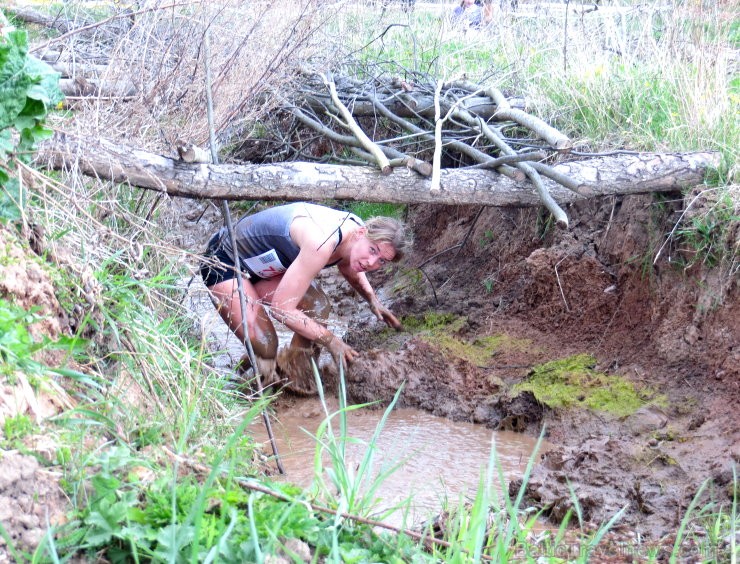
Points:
(217, 266)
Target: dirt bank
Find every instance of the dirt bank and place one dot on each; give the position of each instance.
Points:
(491, 298)
(661, 340)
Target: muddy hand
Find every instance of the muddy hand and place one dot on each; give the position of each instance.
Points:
(341, 351)
(386, 315)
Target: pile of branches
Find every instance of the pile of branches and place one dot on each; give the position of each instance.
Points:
(414, 122)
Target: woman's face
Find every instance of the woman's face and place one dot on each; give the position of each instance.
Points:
(367, 255)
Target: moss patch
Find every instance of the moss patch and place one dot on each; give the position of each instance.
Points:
(440, 330)
(572, 382)
(433, 322)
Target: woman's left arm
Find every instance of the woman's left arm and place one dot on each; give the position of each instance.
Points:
(359, 281)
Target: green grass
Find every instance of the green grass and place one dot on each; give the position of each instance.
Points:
(366, 210)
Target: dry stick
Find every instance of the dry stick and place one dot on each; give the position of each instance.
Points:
(397, 158)
(284, 53)
(542, 129)
(420, 167)
(237, 262)
(564, 180)
(437, 159)
(560, 286)
(512, 159)
(105, 21)
(351, 124)
(560, 217)
(459, 146)
(485, 161)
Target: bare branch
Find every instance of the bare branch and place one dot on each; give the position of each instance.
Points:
(351, 124)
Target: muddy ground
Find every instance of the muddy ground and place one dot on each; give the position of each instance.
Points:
(537, 294)
(669, 330)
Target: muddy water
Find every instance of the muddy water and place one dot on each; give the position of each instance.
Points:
(440, 459)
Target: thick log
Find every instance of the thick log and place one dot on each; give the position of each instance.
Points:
(602, 176)
(413, 104)
(28, 15)
(76, 87)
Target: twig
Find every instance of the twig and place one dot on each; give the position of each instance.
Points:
(609, 223)
(563, 180)
(512, 159)
(560, 217)
(542, 129)
(559, 285)
(459, 245)
(437, 158)
(105, 21)
(440, 253)
(505, 366)
(434, 291)
(475, 154)
(565, 36)
(237, 262)
(470, 230)
(396, 157)
(683, 213)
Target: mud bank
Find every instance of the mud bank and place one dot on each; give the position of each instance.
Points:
(653, 411)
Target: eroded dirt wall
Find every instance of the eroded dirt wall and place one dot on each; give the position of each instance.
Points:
(669, 328)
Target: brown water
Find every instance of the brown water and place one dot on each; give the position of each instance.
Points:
(441, 459)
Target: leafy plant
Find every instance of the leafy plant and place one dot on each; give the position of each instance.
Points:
(28, 89)
(709, 233)
(17, 427)
(488, 284)
(17, 347)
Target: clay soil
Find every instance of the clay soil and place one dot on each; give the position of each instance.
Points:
(592, 289)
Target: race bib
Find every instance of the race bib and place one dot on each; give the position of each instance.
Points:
(266, 265)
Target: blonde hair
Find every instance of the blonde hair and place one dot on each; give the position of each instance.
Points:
(389, 230)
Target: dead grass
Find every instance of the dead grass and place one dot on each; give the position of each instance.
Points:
(255, 51)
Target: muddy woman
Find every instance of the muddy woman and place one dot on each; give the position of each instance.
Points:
(281, 250)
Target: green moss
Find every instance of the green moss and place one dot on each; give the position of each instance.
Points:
(440, 330)
(432, 321)
(572, 382)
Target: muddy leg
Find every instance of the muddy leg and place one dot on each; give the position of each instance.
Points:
(262, 335)
(294, 362)
(315, 304)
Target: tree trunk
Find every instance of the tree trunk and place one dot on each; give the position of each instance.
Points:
(602, 176)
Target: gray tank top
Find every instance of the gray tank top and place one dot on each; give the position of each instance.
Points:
(263, 239)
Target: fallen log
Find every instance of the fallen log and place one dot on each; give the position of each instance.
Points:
(602, 176)
(82, 87)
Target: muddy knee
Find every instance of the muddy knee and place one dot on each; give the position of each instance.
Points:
(315, 303)
(263, 337)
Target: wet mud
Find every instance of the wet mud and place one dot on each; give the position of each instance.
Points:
(664, 340)
(488, 301)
